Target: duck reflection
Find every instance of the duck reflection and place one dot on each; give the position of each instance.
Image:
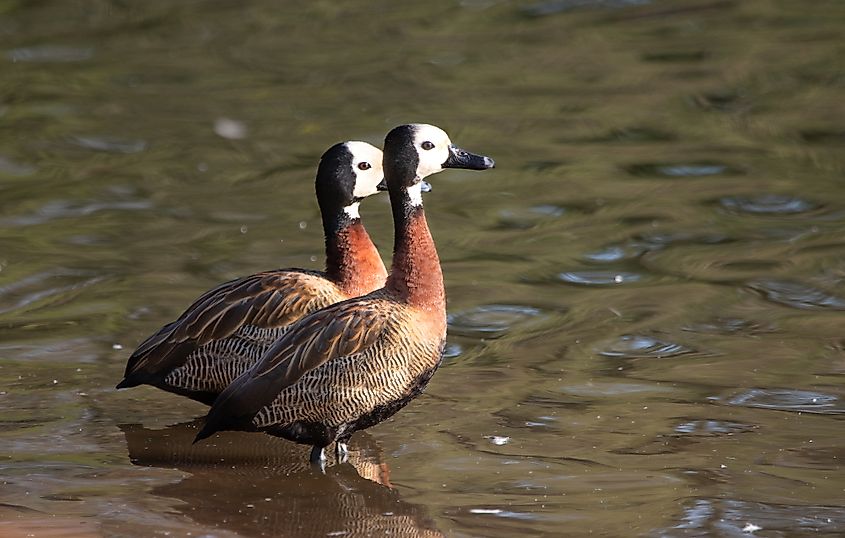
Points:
(261, 486)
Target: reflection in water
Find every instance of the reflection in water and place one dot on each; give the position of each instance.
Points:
(110, 145)
(21, 522)
(767, 204)
(721, 325)
(796, 294)
(731, 517)
(617, 253)
(803, 401)
(490, 321)
(675, 170)
(257, 485)
(599, 278)
(634, 346)
(705, 427)
(49, 53)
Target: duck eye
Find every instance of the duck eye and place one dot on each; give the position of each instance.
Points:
(427, 145)
(364, 166)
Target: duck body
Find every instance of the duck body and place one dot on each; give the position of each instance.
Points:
(358, 390)
(228, 328)
(387, 347)
(352, 365)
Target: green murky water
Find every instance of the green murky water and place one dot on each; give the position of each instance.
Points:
(647, 294)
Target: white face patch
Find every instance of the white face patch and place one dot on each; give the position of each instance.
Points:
(352, 210)
(432, 145)
(415, 194)
(366, 166)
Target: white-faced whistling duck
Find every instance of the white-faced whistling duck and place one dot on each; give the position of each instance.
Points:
(354, 364)
(229, 327)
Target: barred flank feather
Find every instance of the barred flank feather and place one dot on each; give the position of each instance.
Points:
(226, 330)
(229, 327)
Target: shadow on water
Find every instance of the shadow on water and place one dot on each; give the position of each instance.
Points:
(256, 485)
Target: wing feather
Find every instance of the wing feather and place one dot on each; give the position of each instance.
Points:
(267, 300)
(340, 330)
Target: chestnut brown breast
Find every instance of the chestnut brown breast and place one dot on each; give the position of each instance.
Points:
(353, 262)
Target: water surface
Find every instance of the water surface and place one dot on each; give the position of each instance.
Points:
(646, 295)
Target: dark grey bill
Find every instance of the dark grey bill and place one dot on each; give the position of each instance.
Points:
(460, 158)
(382, 186)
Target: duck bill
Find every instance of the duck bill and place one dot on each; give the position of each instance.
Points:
(460, 158)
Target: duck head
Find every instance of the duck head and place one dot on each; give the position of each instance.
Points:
(348, 173)
(417, 150)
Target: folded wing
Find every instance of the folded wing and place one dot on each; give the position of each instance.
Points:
(343, 329)
(266, 300)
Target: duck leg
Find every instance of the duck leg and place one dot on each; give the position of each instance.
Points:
(341, 450)
(318, 458)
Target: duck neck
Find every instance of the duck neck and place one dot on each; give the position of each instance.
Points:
(352, 260)
(415, 274)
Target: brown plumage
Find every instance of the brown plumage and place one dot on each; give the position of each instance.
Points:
(355, 363)
(228, 328)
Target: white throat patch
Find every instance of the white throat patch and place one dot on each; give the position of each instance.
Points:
(415, 194)
(352, 210)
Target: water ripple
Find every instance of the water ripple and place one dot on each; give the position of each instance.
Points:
(45, 288)
(645, 243)
(730, 517)
(635, 346)
(12, 168)
(707, 427)
(50, 54)
(804, 401)
(490, 321)
(803, 457)
(729, 326)
(681, 56)
(544, 9)
(678, 170)
(110, 144)
(711, 263)
(823, 136)
(61, 209)
(767, 204)
(796, 294)
(524, 218)
(452, 350)
(617, 253)
(665, 239)
(630, 134)
(599, 278)
(724, 101)
(595, 389)
(500, 512)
